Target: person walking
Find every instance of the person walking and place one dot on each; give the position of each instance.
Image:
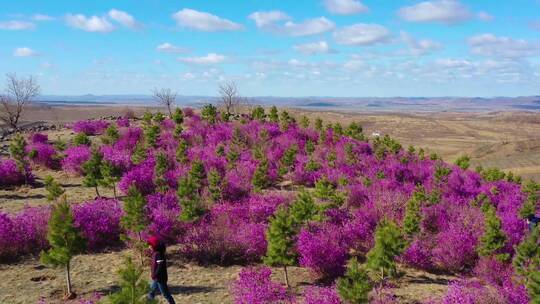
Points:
(159, 270)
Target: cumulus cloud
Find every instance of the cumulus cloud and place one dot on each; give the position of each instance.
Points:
(170, 48)
(24, 52)
(443, 11)
(320, 47)
(15, 25)
(483, 16)
(211, 58)
(124, 18)
(417, 47)
(280, 23)
(500, 46)
(264, 19)
(345, 7)
(89, 24)
(205, 22)
(361, 34)
(41, 17)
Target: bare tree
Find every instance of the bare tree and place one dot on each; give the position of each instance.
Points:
(19, 94)
(165, 97)
(230, 98)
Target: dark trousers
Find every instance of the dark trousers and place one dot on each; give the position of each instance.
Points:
(163, 289)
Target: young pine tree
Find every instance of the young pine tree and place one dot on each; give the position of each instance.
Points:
(139, 154)
(305, 122)
(533, 285)
(54, 189)
(92, 171)
(389, 243)
(134, 220)
(111, 134)
(17, 151)
(161, 167)
(181, 151)
(355, 285)
(280, 237)
(464, 162)
(303, 209)
(110, 176)
(178, 116)
(413, 215)
(527, 252)
(151, 136)
(65, 240)
(133, 288)
(214, 185)
(209, 113)
(189, 198)
(273, 116)
(258, 113)
(529, 208)
(493, 240)
(81, 139)
(288, 159)
(260, 177)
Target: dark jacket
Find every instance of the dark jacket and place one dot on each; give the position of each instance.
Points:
(159, 265)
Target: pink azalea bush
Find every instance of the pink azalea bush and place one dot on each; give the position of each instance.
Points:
(255, 286)
(321, 295)
(74, 158)
(10, 174)
(90, 127)
(99, 221)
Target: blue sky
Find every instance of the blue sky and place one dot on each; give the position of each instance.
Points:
(279, 48)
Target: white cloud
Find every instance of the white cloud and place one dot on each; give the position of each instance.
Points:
(270, 21)
(443, 11)
(354, 65)
(15, 25)
(361, 34)
(263, 19)
(320, 47)
(123, 18)
(417, 47)
(47, 65)
(24, 52)
(500, 46)
(345, 7)
(89, 24)
(203, 21)
(308, 27)
(41, 17)
(483, 16)
(170, 48)
(211, 58)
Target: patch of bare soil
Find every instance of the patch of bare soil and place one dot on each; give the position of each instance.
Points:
(28, 281)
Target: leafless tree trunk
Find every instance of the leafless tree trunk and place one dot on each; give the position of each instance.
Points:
(230, 98)
(19, 94)
(165, 97)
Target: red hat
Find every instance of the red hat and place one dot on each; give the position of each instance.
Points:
(153, 241)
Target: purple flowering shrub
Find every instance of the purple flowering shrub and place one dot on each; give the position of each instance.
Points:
(39, 138)
(142, 176)
(99, 221)
(321, 295)
(255, 286)
(74, 158)
(11, 176)
(90, 127)
(162, 211)
(23, 233)
(43, 154)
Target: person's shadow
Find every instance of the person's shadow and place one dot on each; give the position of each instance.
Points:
(187, 290)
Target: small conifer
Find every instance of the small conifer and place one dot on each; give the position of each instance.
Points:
(65, 240)
(110, 176)
(54, 189)
(493, 240)
(355, 285)
(81, 139)
(389, 243)
(134, 219)
(274, 117)
(92, 171)
(133, 288)
(260, 177)
(280, 237)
